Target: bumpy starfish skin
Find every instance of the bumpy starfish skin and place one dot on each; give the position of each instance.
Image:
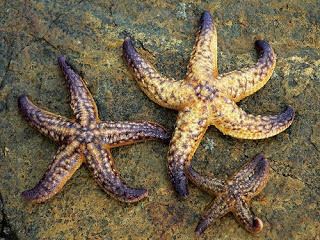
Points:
(233, 195)
(206, 98)
(87, 140)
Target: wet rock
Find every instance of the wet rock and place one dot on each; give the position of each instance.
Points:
(6, 231)
(35, 32)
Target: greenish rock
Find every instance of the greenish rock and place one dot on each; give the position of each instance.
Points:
(6, 231)
(90, 33)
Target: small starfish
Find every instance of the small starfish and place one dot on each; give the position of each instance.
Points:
(86, 139)
(205, 98)
(233, 195)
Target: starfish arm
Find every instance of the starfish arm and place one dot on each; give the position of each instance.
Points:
(116, 134)
(66, 162)
(252, 178)
(166, 92)
(232, 120)
(82, 103)
(100, 162)
(240, 84)
(190, 128)
(54, 126)
(203, 61)
(246, 218)
(219, 207)
(211, 185)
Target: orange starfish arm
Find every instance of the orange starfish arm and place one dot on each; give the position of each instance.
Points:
(100, 162)
(82, 102)
(233, 121)
(240, 84)
(66, 162)
(54, 126)
(188, 133)
(166, 92)
(117, 134)
(203, 62)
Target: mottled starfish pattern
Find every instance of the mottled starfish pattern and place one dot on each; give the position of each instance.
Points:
(87, 140)
(233, 195)
(206, 98)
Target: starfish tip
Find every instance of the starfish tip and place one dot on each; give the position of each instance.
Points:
(62, 61)
(28, 195)
(261, 164)
(257, 225)
(201, 227)
(135, 195)
(206, 20)
(61, 58)
(128, 46)
(290, 112)
(68, 68)
(163, 133)
(129, 51)
(260, 158)
(287, 115)
(206, 15)
(261, 45)
(182, 190)
(22, 98)
(22, 102)
(127, 41)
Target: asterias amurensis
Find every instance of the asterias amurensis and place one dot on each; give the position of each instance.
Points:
(87, 140)
(207, 98)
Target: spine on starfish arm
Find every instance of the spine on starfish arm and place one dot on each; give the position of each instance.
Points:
(82, 101)
(235, 122)
(203, 60)
(125, 133)
(166, 92)
(67, 160)
(69, 72)
(234, 194)
(211, 185)
(147, 77)
(242, 83)
(100, 162)
(267, 60)
(54, 126)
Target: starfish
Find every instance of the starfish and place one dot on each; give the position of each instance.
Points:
(87, 140)
(233, 195)
(205, 98)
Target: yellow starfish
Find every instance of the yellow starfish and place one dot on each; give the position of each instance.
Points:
(206, 98)
(87, 140)
(233, 195)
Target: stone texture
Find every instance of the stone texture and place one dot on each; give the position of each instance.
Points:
(34, 33)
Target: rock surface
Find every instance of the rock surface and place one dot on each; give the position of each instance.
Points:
(34, 33)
